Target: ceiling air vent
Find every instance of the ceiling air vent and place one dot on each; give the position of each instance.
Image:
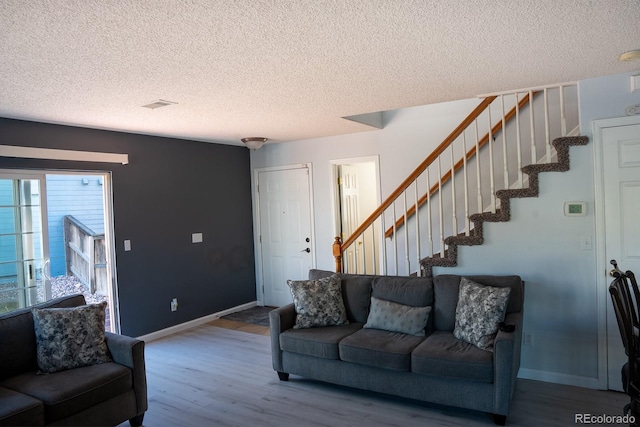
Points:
(159, 103)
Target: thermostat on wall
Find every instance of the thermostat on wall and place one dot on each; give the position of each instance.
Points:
(575, 208)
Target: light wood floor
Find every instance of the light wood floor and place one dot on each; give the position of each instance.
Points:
(220, 374)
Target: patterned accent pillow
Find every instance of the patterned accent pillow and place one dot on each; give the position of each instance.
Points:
(479, 313)
(318, 302)
(71, 337)
(394, 317)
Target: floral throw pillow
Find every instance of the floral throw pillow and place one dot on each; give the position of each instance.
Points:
(71, 337)
(318, 302)
(479, 313)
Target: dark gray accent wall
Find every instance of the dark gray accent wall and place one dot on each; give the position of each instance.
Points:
(170, 189)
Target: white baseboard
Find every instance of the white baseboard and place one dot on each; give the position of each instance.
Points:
(557, 378)
(195, 322)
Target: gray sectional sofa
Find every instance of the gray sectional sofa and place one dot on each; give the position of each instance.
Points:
(436, 367)
(100, 394)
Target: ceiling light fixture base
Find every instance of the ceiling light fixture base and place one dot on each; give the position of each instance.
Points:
(632, 55)
(254, 142)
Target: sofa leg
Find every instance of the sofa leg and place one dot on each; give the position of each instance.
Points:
(499, 419)
(137, 420)
(283, 376)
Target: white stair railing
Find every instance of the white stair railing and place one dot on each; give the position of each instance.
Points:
(531, 117)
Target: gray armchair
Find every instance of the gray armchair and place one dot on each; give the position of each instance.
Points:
(103, 394)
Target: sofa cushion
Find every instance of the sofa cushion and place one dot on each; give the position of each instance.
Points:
(356, 293)
(68, 392)
(394, 317)
(18, 409)
(479, 313)
(318, 302)
(18, 339)
(318, 342)
(413, 291)
(380, 349)
(443, 355)
(70, 337)
(446, 288)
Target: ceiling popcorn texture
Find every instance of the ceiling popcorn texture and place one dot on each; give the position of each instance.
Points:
(290, 70)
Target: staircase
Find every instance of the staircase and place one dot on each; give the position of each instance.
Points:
(494, 155)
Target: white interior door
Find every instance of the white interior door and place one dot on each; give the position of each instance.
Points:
(621, 187)
(358, 199)
(285, 231)
(350, 215)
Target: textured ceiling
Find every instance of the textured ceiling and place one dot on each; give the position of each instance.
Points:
(289, 70)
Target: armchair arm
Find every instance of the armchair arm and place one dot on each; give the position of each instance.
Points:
(506, 363)
(129, 352)
(280, 320)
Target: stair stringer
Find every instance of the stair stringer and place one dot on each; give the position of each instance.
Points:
(476, 236)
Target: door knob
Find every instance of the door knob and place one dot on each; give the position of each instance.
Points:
(307, 250)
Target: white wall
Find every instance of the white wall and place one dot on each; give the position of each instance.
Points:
(407, 139)
(539, 243)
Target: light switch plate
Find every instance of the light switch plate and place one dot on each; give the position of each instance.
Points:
(196, 238)
(127, 245)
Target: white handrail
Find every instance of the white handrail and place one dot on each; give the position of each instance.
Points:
(444, 177)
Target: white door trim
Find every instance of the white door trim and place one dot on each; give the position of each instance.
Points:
(109, 222)
(256, 222)
(335, 196)
(603, 267)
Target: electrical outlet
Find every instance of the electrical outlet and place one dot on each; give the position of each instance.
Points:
(174, 304)
(528, 340)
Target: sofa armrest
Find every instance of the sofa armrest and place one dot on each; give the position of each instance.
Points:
(280, 320)
(506, 363)
(129, 352)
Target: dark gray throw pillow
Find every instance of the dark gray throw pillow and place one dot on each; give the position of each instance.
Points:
(318, 302)
(479, 313)
(71, 337)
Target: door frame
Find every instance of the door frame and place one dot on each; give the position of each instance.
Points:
(109, 231)
(257, 232)
(335, 195)
(602, 264)
(20, 174)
